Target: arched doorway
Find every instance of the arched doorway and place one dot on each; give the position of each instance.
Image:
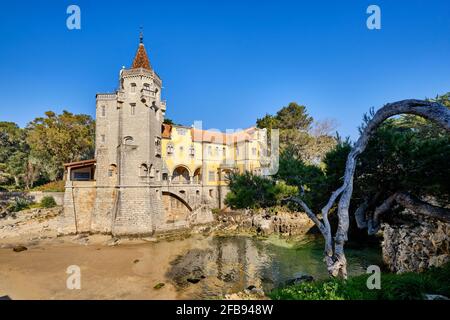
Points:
(175, 208)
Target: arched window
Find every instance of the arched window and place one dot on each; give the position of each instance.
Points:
(198, 175)
(180, 175)
(128, 140)
(112, 171)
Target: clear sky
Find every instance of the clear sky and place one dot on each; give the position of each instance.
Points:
(226, 62)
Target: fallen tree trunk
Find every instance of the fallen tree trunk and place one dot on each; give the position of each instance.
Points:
(334, 247)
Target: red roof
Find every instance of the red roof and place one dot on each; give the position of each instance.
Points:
(141, 59)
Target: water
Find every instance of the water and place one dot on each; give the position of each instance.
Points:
(226, 264)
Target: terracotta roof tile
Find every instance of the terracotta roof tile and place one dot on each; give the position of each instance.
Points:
(141, 59)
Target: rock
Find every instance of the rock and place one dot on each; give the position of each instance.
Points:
(159, 285)
(415, 245)
(435, 297)
(113, 242)
(298, 280)
(19, 248)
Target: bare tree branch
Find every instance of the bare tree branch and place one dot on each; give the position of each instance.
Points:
(335, 257)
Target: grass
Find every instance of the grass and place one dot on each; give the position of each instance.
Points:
(405, 286)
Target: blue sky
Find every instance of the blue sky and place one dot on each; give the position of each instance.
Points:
(226, 62)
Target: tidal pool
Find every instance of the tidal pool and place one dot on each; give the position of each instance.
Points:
(227, 264)
(197, 267)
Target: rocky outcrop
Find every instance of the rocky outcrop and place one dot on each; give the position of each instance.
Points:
(265, 223)
(416, 244)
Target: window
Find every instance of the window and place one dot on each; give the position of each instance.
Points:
(197, 192)
(112, 171)
(133, 109)
(211, 176)
(192, 150)
(170, 148)
(181, 149)
(103, 111)
(209, 150)
(128, 140)
(103, 138)
(211, 193)
(224, 151)
(81, 176)
(165, 176)
(157, 146)
(217, 151)
(133, 87)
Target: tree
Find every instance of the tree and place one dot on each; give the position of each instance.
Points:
(299, 134)
(168, 121)
(249, 191)
(57, 139)
(334, 245)
(14, 155)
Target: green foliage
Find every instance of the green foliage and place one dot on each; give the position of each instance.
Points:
(251, 191)
(168, 121)
(19, 204)
(299, 134)
(48, 202)
(406, 286)
(56, 139)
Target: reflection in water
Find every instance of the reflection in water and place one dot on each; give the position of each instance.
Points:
(232, 263)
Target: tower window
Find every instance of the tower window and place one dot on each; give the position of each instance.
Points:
(133, 109)
(133, 87)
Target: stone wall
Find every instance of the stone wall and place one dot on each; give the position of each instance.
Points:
(79, 203)
(416, 244)
(35, 196)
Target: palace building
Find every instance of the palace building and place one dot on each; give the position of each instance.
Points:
(148, 176)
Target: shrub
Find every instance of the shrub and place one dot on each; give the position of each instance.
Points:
(48, 202)
(405, 286)
(18, 204)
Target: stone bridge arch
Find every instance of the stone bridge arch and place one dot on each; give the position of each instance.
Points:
(175, 207)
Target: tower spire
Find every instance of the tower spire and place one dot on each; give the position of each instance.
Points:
(141, 59)
(141, 35)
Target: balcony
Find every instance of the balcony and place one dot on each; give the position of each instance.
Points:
(147, 94)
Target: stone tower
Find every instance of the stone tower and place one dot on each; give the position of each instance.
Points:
(128, 152)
